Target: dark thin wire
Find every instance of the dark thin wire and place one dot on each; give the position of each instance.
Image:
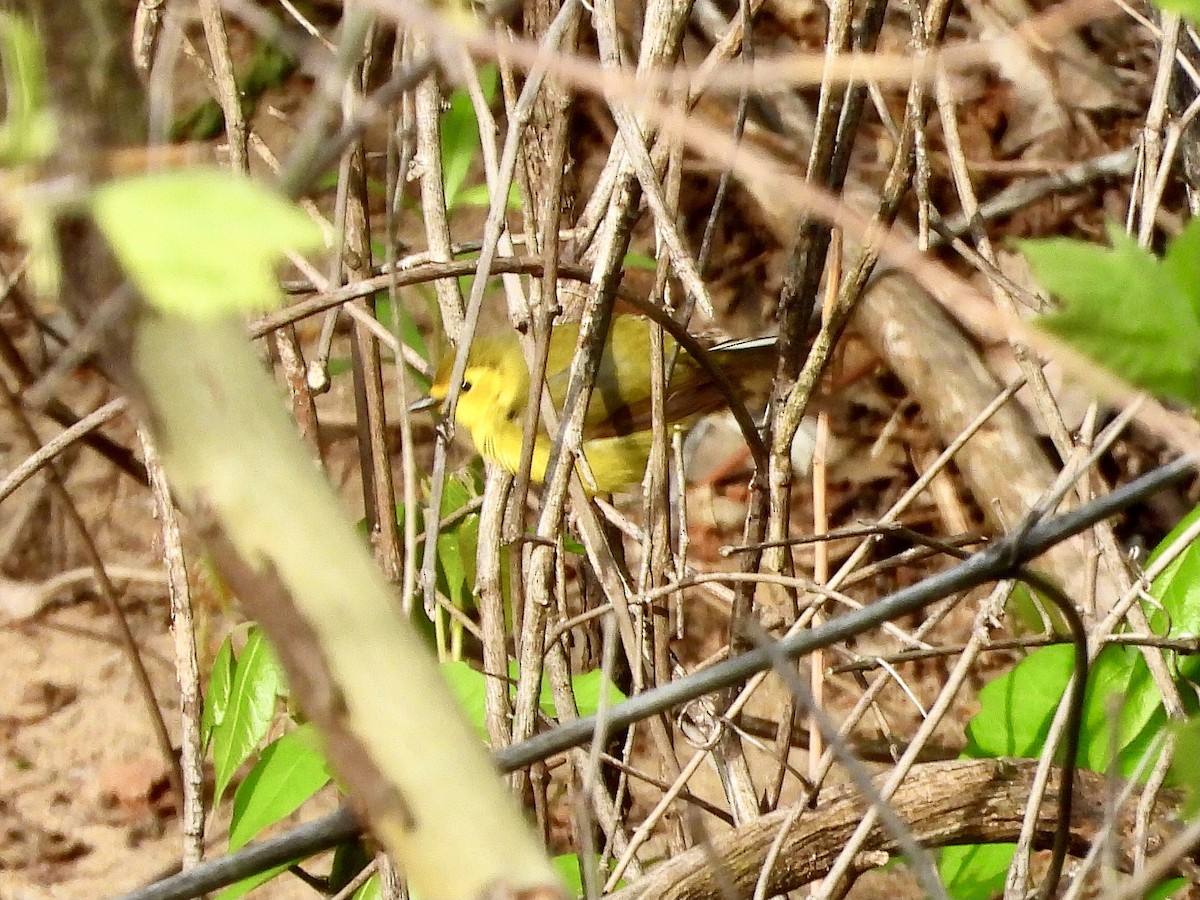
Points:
(1073, 726)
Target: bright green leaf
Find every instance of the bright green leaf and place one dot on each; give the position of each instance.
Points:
(1125, 309)
(220, 685)
(370, 889)
(467, 686)
(1033, 612)
(249, 712)
(288, 772)
(1189, 9)
(567, 866)
(29, 132)
(1015, 710)
(450, 564)
(1185, 766)
(1182, 262)
(1166, 889)
(976, 873)
(640, 261)
(1112, 699)
(460, 136)
(349, 859)
(408, 331)
(588, 687)
(1177, 587)
(1133, 755)
(479, 196)
(202, 243)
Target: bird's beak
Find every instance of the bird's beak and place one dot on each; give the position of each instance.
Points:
(423, 404)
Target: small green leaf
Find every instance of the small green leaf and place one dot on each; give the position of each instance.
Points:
(640, 261)
(220, 685)
(1126, 309)
(202, 243)
(249, 712)
(467, 686)
(588, 686)
(1177, 587)
(1015, 710)
(409, 333)
(1120, 696)
(288, 772)
(976, 872)
(1185, 765)
(1033, 612)
(450, 565)
(349, 859)
(567, 866)
(1189, 9)
(460, 136)
(479, 196)
(370, 889)
(29, 131)
(1166, 889)
(1182, 262)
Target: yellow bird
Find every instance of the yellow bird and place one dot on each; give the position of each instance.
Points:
(616, 430)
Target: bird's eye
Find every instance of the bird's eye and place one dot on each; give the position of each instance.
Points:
(466, 386)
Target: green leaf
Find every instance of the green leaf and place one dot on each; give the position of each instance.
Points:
(1126, 309)
(220, 685)
(1015, 710)
(468, 687)
(571, 873)
(1166, 889)
(458, 544)
(1189, 9)
(452, 570)
(409, 333)
(29, 131)
(202, 243)
(288, 772)
(349, 859)
(588, 687)
(479, 196)
(249, 711)
(976, 873)
(1173, 535)
(339, 365)
(1182, 262)
(1132, 754)
(1185, 766)
(460, 136)
(1177, 587)
(640, 261)
(370, 889)
(1119, 684)
(567, 866)
(1033, 612)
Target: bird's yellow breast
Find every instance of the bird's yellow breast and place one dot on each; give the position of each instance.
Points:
(616, 430)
